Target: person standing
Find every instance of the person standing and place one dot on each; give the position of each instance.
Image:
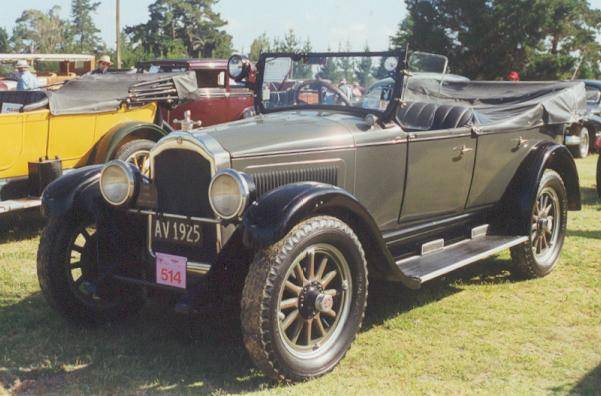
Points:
(26, 81)
(104, 64)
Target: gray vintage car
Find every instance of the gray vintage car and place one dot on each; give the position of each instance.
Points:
(289, 212)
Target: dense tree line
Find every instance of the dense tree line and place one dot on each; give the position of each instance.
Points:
(484, 39)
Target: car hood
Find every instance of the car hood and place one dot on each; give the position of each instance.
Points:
(285, 132)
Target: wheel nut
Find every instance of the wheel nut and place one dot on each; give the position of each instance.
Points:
(324, 303)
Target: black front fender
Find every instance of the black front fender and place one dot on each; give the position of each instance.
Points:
(270, 218)
(76, 192)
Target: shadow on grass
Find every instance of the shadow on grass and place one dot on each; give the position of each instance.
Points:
(589, 196)
(388, 299)
(23, 225)
(590, 384)
(158, 351)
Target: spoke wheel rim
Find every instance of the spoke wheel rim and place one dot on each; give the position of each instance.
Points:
(141, 160)
(307, 324)
(545, 225)
(81, 266)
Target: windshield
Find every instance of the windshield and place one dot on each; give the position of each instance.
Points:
(359, 81)
(593, 95)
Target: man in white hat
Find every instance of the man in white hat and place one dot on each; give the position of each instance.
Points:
(25, 80)
(104, 64)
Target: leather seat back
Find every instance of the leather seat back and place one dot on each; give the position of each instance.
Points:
(425, 116)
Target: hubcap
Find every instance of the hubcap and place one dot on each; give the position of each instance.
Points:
(545, 228)
(141, 159)
(314, 300)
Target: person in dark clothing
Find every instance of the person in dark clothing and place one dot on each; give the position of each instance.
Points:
(104, 63)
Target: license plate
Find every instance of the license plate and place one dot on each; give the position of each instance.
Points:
(171, 270)
(183, 232)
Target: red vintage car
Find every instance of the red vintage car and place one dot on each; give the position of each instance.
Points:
(220, 99)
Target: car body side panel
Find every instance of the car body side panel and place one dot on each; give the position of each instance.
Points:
(11, 148)
(71, 137)
(342, 160)
(381, 159)
(498, 158)
(438, 174)
(215, 107)
(23, 140)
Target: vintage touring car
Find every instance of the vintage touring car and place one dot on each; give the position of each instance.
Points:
(289, 211)
(89, 120)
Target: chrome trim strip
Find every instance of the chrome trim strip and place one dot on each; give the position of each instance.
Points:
(198, 268)
(174, 216)
(313, 150)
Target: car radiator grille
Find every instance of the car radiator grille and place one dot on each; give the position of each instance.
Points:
(182, 180)
(267, 181)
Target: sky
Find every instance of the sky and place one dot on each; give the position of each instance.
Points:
(325, 22)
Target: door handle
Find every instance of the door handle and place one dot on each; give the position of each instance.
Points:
(521, 141)
(462, 149)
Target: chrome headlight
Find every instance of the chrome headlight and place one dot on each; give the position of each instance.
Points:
(118, 183)
(229, 193)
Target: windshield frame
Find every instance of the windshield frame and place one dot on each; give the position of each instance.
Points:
(385, 115)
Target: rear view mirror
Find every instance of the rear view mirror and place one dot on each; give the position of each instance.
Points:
(423, 62)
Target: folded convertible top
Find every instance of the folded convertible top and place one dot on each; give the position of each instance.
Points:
(98, 93)
(501, 104)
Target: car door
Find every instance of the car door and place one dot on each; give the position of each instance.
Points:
(440, 164)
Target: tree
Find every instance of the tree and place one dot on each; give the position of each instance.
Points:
(364, 70)
(259, 45)
(542, 39)
(329, 71)
(83, 30)
(182, 28)
(346, 64)
(4, 40)
(39, 32)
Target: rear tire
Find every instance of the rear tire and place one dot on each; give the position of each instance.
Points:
(66, 259)
(292, 330)
(548, 219)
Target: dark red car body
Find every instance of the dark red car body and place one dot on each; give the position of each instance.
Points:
(220, 98)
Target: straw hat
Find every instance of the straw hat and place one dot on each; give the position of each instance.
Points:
(22, 64)
(105, 59)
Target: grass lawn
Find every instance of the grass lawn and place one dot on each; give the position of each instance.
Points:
(478, 331)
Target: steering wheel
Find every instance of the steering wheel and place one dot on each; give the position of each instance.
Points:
(341, 96)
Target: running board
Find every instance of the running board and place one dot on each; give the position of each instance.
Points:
(18, 204)
(443, 260)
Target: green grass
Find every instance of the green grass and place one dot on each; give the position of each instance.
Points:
(479, 331)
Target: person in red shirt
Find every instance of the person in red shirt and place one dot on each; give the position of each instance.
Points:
(513, 76)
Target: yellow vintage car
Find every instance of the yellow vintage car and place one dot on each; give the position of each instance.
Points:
(89, 121)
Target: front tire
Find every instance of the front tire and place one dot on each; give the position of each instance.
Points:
(66, 263)
(548, 219)
(304, 300)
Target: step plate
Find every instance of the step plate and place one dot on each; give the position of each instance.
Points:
(18, 204)
(452, 257)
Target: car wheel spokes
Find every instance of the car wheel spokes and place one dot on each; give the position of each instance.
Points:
(141, 160)
(314, 298)
(544, 231)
